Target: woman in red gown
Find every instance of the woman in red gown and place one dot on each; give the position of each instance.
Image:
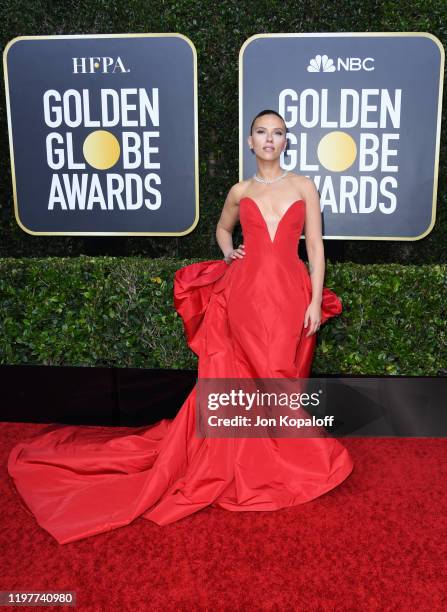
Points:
(252, 314)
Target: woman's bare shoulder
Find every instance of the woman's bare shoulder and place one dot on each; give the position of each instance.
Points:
(304, 184)
(300, 179)
(237, 190)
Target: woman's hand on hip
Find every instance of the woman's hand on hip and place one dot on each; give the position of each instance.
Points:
(235, 254)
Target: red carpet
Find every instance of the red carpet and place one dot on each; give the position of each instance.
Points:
(377, 542)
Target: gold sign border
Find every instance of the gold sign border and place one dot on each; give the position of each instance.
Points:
(11, 147)
(362, 34)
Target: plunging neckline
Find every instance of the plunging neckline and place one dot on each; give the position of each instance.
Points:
(263, 218)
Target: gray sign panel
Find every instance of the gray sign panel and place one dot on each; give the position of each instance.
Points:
(103, 133)
(364, 115)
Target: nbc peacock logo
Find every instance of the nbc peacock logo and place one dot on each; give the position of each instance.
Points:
(321, 63)
(324, 63)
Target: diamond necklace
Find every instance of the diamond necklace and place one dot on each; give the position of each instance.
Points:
(269, 181)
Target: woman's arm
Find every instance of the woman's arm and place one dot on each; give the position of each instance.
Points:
(225, 226)
(315, 252)
(314, 240)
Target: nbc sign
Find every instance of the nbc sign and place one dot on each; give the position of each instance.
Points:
(363, 111)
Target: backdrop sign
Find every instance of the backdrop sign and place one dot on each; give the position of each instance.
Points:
(364, 115)
(103, 133)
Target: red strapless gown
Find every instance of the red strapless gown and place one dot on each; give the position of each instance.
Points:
(244, 319)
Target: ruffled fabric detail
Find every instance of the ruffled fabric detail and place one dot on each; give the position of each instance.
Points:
(195, 284)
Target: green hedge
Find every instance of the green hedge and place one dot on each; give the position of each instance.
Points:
(104, 311)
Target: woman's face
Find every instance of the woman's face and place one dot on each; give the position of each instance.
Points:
(268, 137)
